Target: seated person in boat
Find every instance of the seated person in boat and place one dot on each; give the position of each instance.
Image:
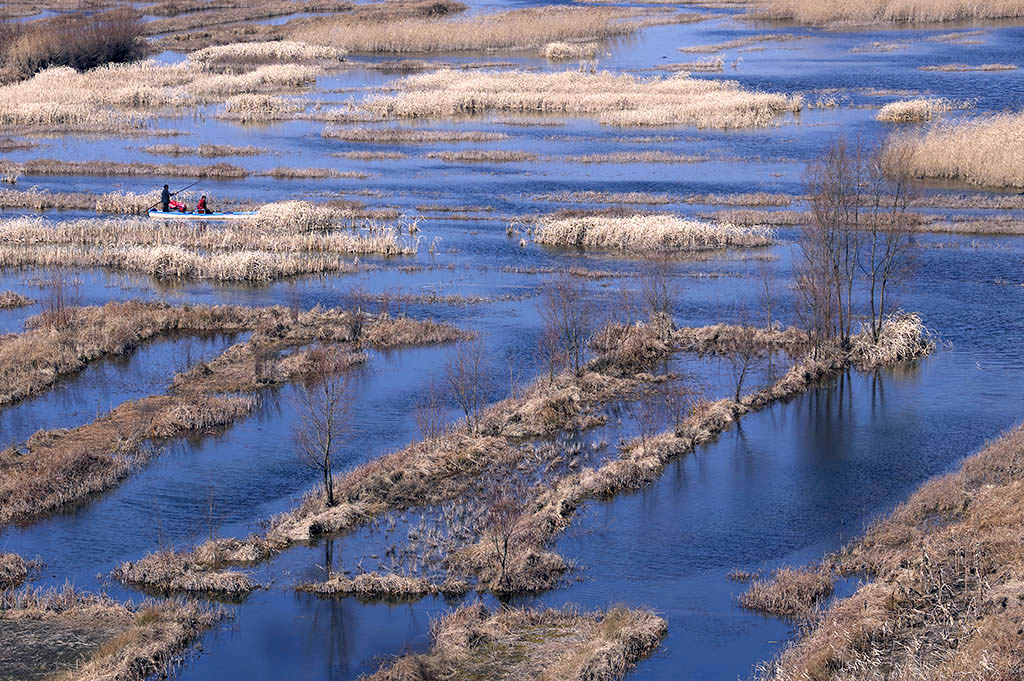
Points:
(201, 207)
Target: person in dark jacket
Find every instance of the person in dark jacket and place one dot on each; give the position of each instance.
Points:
(165, 199)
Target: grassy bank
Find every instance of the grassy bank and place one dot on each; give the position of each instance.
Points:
(472, 643)
(945, 597)
(880, 12)
(113, 641)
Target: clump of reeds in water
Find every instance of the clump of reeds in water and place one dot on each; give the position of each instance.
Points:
(970, 67)
(268, 52)
(523, 643)
(258, 107)
(562, 51)
(984, 151)
(393, 135)
(788, 593)
(920, 109)
(384, 586)
(903, 336)
(12, 299)
(648, 233)
(170, 571)
(13, 570)
(204, 150)
(623, 100)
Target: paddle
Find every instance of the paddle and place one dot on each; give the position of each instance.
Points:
(177, 191)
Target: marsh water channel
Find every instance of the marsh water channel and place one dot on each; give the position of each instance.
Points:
(782, 487)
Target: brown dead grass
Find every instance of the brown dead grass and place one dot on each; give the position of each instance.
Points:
(12, 299)
(542, 645)
(788, 593)
(371, 585)
(946, 600)
(880, 12)
(50, 166)
(394, 135)
(204, 150)
(13, 570)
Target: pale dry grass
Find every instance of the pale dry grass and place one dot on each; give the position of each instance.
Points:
(50, 166)
(387, 586)
(524, 644)
(817, 12)
(622, 100)
(12, 299)
(983, 151)
(371, 155)
(788, 593)
(648, 233)
(529, 28)
(170, 571)
(618, 157)
(920, 109)
(248, 108)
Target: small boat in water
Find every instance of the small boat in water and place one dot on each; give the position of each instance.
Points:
(175, 215)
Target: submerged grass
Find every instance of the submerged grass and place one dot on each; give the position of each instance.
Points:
(622, 100)
(521, 644)
(946, 596)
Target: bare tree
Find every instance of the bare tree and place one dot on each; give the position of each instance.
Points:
(63, 295)
(646, 413)
(430, 413)
(464, 376)
(505, 507)
(742, 353)
(885, 256)
(324, 403)
(766, 299)
(659, 293)
(680, 397)
(566, 313)
(830, 243)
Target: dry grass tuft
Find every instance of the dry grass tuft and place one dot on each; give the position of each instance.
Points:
(562, 51)
(620, 157)
(983, 151)
(516, 29)
(740, 42)
(13, 570)
(51, 166)
(917, 110)
(169, 571)
(648, 233)
(788, 593)
(532, 644)
(903, 337)
(623, 100)
(271, 52)
(11, 299)
(248, 108)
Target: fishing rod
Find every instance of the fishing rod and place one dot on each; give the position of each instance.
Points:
(178, 191)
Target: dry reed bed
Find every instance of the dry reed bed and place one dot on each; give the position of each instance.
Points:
(522, 643)
(747, 199)
(788, 593)
(52, 166)
(204, 150)
(984, 151)
(131, 642)
(563, 51)
(127, 97)
(529, 28)
(918, 110)
(394, 135)
(816, 12)
(13, 570)
(269, 52)
(620, 157)
(648, 233)
(64, 466)
(371, 585)
(946, 599)
(483, 156)
(10, 300)
(622, 100)
(113, 202)
(740, 42)
(969, 67)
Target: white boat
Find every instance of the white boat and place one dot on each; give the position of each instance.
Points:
(175, 215)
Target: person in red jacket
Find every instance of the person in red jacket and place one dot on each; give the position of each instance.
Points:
(201, 207)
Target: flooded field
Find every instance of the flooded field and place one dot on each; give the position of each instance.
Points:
(444, 184)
